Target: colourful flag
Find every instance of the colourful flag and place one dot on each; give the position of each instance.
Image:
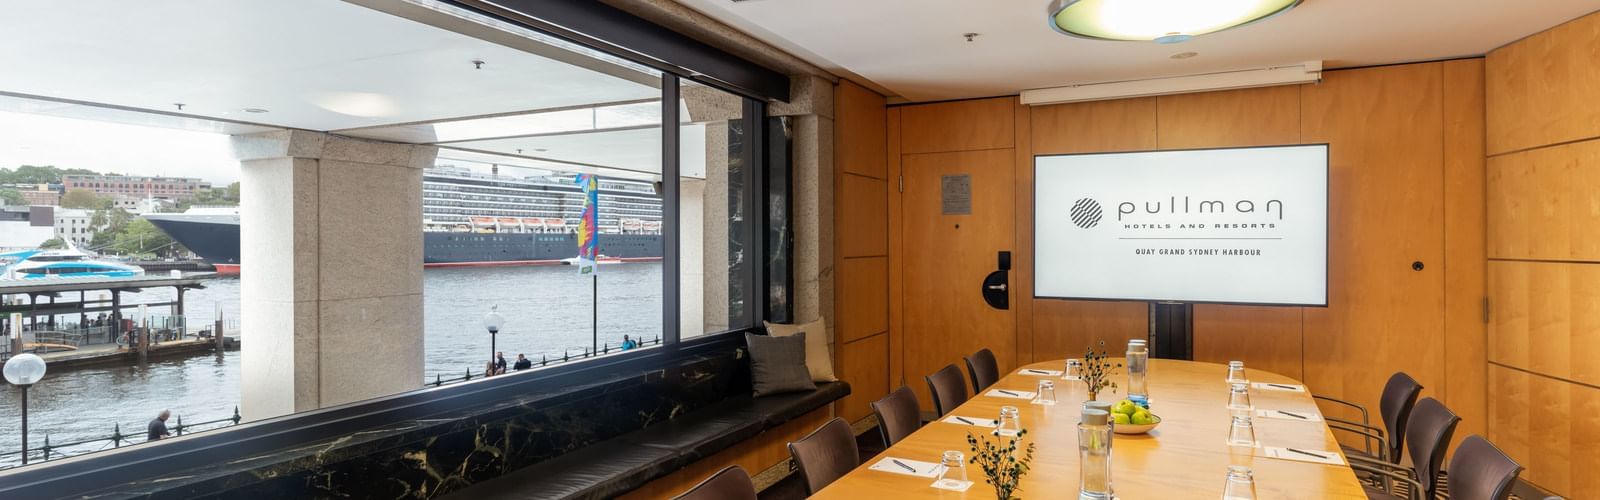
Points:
(589, 225)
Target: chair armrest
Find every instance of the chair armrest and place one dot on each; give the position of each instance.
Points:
(1373, 430)
(1415, 486)
(1366, 420)
(1367, 437)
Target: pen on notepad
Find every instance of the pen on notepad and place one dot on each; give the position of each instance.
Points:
(1008, 393)
(1307, 453)
(1295, 415)
(969, 422)
(903, 464)
(1290, 387)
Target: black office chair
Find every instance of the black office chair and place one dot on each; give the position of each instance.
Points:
(899, 414)
(1428, 435)
(826, 454)
(1399, 396)
(1480, 471)
(731, 483)
(948, 390)
(983, 368)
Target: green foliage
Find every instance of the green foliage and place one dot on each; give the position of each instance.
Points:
(140, 238)
(1097, 371)
(1001, 467)
(53, 244)
(226, 196)
(83, 198)
(10, 196)
(32, 174)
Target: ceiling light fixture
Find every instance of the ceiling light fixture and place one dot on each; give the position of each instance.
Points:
(254, 110)
(1160, 21)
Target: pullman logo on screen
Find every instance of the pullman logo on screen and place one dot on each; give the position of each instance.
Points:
(1086, 213)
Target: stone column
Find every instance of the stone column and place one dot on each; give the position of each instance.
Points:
(331, 269)
(811, 107)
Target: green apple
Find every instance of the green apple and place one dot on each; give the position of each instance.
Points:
(1142, 417)
(1124, 407)
(1121, 418)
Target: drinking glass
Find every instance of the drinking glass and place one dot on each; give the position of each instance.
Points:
(954, 473)
(1239, 397)
(1242, 433)
(1047, 393)
(1010, 421)
(1236, 372)
(1074, 370)
(1241, 485)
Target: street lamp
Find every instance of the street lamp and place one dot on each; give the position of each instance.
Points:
(492, 322)
(23, 370)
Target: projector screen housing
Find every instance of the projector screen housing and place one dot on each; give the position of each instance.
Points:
(1228, 225)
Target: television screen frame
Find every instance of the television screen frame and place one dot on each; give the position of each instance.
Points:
(1327, 187)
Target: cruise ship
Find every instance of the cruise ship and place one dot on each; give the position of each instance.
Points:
(476, 219)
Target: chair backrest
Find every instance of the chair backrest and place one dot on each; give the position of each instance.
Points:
(948, 390)
(1399, 396)
(1480, 471)
(825, 455)
(731, 483)
(983, 368)
(898, 414)
(1428, 436)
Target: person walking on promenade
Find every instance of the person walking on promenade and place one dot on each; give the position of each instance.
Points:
(523, 363)
(500, 363)
(488, 369)
(157, 430)
(628, 343)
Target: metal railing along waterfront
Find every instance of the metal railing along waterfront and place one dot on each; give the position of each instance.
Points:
(544, 359)
(116, 439)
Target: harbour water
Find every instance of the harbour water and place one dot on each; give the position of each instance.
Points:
(548, 310)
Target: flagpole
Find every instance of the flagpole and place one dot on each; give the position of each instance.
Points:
(595, 320)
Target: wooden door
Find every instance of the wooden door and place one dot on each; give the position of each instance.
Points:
(947, 255)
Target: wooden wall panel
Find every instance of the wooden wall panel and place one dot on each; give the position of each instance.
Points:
(865, 360)
(1264, 338)
(1546, 315)
(1064, 328)
(1465, 328)
(1544, 203)
(1236, 118)
(861, 245)
(957, 126)
(1022, 252)
(1540, 90)
(861, 150)
(1548, 425)
(863, 297)
(862, 220)
(1386, 169)
(1086, 127)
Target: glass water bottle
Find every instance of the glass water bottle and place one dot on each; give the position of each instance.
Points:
(1138, 368)
(1094, 455)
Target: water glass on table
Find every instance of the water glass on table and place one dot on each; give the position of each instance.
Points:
(1242, 433)
(1074, 370)
(953, 475)
(1010, 423)
(1241, 484)
(1046, 394)
(1236, 373)
(1239, 397)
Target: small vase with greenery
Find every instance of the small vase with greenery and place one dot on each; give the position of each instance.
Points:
(1097, 371)
(1001, 466)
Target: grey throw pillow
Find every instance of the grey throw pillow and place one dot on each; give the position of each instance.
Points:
(778, 364)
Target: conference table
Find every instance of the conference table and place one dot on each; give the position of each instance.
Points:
(1186, 456)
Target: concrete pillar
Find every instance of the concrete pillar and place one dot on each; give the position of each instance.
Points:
(811, 107)
(331, 269)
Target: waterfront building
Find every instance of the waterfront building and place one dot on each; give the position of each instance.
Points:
(171, 188)
(41, 195)
(73, 224)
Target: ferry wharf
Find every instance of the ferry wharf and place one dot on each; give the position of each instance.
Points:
(34, 318)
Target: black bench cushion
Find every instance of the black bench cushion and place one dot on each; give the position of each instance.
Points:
(619, 465)
(601, 470)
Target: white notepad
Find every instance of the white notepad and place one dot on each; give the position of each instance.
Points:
(1303, 416)
(1040, 373)
(1304, 455)
(921, 469)
(1006, 393)
(1277, 387)
(963, 420)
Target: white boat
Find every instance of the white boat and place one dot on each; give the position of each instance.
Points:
(68, 263)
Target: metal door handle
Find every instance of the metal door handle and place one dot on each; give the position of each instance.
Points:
(1000, 287)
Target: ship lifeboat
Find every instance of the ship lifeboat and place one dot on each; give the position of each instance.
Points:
(555, 224)
(532, 223)
(652, 226)
(632, 224)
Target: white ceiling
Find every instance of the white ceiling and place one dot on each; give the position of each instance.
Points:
(914, 48)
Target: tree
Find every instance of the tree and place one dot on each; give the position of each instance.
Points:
(83, 198)
(11, 197)
(32, 174)
(108, 224)
(142, 238)
(53, 244)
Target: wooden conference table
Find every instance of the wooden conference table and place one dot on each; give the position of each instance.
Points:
(1187, 456)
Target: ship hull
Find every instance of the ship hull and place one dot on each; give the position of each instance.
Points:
(217, 241)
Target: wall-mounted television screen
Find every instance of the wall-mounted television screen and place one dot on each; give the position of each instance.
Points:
(1238, 225)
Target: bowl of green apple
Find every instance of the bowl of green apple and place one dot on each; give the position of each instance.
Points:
(1130, 418)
